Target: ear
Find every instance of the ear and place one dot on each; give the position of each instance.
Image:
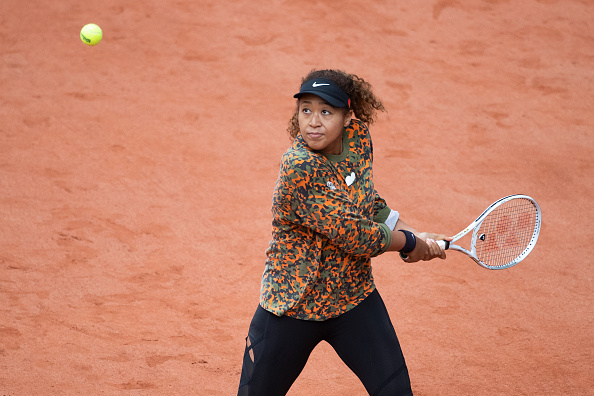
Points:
(347, 118)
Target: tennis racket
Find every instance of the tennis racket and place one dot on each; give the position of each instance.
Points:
(503, 235)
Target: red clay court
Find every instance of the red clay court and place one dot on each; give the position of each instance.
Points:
(136, 179)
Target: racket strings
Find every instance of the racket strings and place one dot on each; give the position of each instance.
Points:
(506, 232)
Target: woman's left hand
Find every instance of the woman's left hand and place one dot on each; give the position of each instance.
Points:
(434, 250)
(431, 235)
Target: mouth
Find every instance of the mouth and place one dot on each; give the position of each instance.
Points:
(315, 135)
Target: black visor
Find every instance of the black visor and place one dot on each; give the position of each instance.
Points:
(325, 89)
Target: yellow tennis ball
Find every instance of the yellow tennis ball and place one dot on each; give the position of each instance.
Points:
(91, 34)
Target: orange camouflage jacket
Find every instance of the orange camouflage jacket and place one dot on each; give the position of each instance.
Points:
(328, 222)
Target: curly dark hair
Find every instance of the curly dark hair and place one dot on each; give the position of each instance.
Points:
(364, 104)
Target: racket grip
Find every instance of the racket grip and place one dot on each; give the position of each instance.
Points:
(445, 245)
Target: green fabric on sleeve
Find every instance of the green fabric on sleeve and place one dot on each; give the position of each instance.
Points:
(387, 238)
(382, 215)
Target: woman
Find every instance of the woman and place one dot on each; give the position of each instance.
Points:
(328, 222)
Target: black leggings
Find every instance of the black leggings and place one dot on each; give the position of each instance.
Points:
(277, 349)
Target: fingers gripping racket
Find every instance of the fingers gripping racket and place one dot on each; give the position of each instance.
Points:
(503, 235)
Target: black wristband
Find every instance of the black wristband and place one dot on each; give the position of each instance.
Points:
(411, 242)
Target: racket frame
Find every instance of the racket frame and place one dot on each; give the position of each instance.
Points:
(475, 225)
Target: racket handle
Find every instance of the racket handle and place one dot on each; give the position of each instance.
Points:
(445, 245)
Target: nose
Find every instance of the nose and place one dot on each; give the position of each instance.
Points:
(314, 120)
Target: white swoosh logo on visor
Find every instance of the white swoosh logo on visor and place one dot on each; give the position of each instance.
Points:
(315, 84)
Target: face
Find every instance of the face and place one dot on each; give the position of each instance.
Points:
(321, 124)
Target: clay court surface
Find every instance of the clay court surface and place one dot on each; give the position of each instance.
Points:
(136, 180)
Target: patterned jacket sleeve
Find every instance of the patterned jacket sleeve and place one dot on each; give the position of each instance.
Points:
(329, 211)
(380, 209)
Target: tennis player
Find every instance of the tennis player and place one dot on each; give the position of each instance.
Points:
(328, 222)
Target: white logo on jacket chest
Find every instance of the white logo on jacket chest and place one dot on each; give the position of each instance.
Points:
(350, 179)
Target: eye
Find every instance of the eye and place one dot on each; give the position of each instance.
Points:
(326, 112)
(305, 110)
